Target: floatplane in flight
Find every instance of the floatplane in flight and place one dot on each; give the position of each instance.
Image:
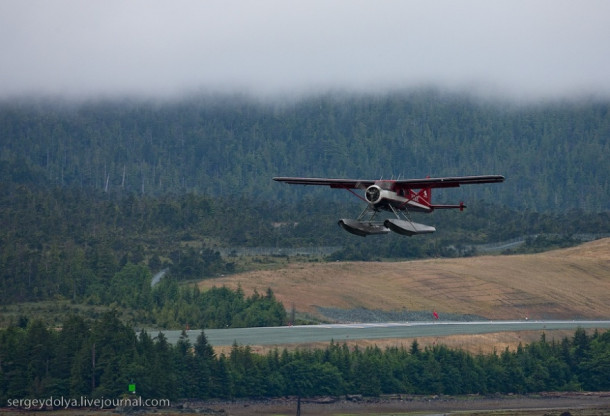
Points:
(396, 197)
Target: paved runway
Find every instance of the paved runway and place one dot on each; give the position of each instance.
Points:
(344, 332)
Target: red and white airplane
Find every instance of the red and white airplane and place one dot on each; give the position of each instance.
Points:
(394, 196)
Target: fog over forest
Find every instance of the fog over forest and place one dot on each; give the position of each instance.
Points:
(520, 50)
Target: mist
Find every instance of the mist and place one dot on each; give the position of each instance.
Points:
(515, 49)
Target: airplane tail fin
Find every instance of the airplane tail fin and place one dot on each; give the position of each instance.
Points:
(423, 197)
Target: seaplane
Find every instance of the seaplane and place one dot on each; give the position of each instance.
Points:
(393, 198)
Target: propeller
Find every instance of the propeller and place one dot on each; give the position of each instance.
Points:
(373, 193)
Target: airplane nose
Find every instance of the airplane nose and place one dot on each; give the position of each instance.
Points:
(373, 194)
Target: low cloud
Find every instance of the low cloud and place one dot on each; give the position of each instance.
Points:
(523, 49)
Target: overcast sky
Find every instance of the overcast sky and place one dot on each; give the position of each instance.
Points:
(517, 48)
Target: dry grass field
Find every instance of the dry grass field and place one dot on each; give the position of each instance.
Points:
(572, 283)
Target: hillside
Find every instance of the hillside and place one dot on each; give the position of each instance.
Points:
(569, 284)
(551, 154)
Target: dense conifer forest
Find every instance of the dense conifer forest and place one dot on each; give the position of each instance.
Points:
(101, 358)
(553, 154)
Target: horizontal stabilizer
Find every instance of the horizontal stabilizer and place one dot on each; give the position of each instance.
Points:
(363, 228)
(407, 227)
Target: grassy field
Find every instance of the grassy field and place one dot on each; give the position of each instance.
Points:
(564, 284)
(571, 283)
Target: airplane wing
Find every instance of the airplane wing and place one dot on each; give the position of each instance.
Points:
(448, 182)
(333, 183)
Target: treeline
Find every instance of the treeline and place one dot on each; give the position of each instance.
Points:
(553, 155)
(169, 305)
(101, 358)
(173, 306)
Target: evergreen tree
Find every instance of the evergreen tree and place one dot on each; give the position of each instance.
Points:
(203, 366)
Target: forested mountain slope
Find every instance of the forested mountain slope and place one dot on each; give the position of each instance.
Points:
(554, 156)
(88, 190)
